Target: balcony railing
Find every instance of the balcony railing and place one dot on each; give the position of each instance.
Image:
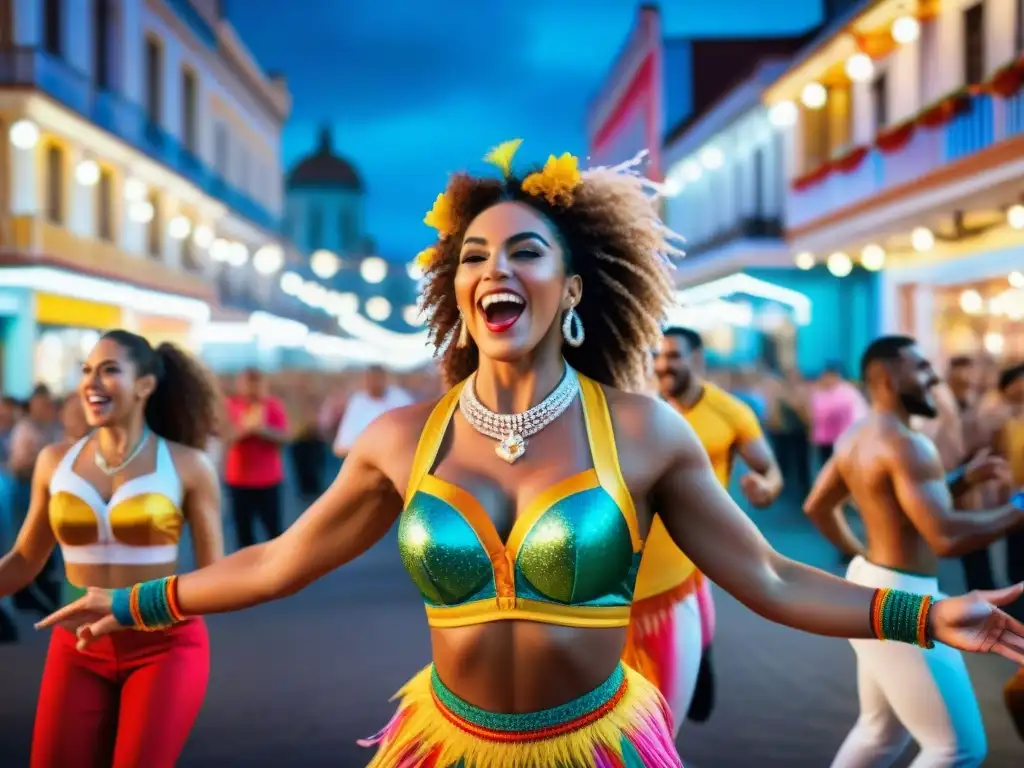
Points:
(983, 121)
(126, 120)
(36, 235)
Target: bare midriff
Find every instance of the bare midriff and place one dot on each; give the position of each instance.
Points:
(107, 576)
(524, 666)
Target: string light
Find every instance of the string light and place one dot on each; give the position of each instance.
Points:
(839, 264)
(872, 257)
(804, 260)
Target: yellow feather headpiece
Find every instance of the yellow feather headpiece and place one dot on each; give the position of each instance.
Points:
(556, 182)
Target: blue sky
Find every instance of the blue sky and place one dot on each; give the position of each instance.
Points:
(416, 90)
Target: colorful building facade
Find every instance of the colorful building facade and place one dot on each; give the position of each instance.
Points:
(140, 181)
(903, 132)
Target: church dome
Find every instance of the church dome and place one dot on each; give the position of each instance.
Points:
(324, 169)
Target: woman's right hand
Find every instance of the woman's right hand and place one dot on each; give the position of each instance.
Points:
(90, 617)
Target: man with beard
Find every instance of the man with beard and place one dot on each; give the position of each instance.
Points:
(672, 616)
(895, 476)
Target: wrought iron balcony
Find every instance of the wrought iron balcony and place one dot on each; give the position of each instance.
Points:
(34, 68)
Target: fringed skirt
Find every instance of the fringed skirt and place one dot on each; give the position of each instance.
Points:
(623, 723)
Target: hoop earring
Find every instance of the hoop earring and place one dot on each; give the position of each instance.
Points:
(572, 328)
(463, 340)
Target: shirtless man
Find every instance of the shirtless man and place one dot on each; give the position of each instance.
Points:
(896, 478)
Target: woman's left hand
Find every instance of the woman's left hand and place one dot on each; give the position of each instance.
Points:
(974, 622)
(89, 617)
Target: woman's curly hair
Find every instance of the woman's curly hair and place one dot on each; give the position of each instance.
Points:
(613, 239)
(186, 404)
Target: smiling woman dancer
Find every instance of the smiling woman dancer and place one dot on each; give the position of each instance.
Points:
(116, 502)
(524, 495)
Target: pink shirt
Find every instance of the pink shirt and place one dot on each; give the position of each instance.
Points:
(833, 411)
(254, 462)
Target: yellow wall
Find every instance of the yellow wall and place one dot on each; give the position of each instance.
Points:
(76, 313)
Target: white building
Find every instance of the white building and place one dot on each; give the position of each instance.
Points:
(142, 180)
(904, 137)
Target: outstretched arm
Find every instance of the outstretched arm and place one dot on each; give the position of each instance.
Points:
(726, 546)
(350, 517)
(922, 492)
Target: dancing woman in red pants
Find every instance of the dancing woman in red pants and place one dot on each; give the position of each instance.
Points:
(116, 502)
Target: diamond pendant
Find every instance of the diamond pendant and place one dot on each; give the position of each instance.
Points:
(511, 448)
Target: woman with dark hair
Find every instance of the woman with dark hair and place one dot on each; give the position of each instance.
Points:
(116, 501)
(525, 493)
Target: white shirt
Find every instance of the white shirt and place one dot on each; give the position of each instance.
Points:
(362, 410)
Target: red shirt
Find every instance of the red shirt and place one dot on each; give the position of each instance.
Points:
(255, 462)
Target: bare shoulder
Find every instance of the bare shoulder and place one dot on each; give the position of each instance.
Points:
(904, 449)
(649, 425)
(52, 455)
(394, 434)
(191, 463)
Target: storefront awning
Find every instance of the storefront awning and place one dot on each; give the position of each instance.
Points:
(73, 285)
(741, 284)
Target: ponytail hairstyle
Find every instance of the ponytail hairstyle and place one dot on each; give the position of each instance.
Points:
(185, 405)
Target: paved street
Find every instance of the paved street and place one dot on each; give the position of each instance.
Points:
(296, 683)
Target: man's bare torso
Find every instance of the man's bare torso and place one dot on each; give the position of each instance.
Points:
(864, 458)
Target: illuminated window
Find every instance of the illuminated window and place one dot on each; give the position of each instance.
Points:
(55, 184)
(105, 206)
(154, 228)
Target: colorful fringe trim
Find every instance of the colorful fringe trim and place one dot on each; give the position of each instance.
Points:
(651, 639)
(623, 723)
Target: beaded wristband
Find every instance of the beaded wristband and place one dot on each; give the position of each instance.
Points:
(901, 617)
(149, 606)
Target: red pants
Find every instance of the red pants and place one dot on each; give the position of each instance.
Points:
(128, 701)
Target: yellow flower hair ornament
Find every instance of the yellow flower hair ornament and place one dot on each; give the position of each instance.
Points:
(441, 217)
(425, 259)
(557, 181)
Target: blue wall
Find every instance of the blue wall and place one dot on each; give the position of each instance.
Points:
(845, 315)
(18, 335)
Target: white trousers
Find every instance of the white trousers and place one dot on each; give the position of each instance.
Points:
(909, 693)
(689, 645)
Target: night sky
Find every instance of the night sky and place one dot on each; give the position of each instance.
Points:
(416, 90)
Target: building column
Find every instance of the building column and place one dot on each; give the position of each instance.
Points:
(24, 177)
(82, 214)
(924, 319)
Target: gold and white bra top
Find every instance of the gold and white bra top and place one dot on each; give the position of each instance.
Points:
(140, 525)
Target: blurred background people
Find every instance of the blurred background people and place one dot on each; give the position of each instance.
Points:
(39, 427)
(377, 395)
(834, 406)
(256, 430)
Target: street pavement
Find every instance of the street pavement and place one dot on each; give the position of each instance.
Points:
(295, 683)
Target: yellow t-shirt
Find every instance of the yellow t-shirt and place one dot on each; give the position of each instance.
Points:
(1013, 441)
(722, 422)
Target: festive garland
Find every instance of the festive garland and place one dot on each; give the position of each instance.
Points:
(1005, 83)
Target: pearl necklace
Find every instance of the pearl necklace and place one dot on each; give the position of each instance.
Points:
(111, 471)
(512, 429)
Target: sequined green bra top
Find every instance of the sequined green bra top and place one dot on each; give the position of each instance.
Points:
(571, 558)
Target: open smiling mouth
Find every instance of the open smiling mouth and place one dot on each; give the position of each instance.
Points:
(501, 310)
(97, 403)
